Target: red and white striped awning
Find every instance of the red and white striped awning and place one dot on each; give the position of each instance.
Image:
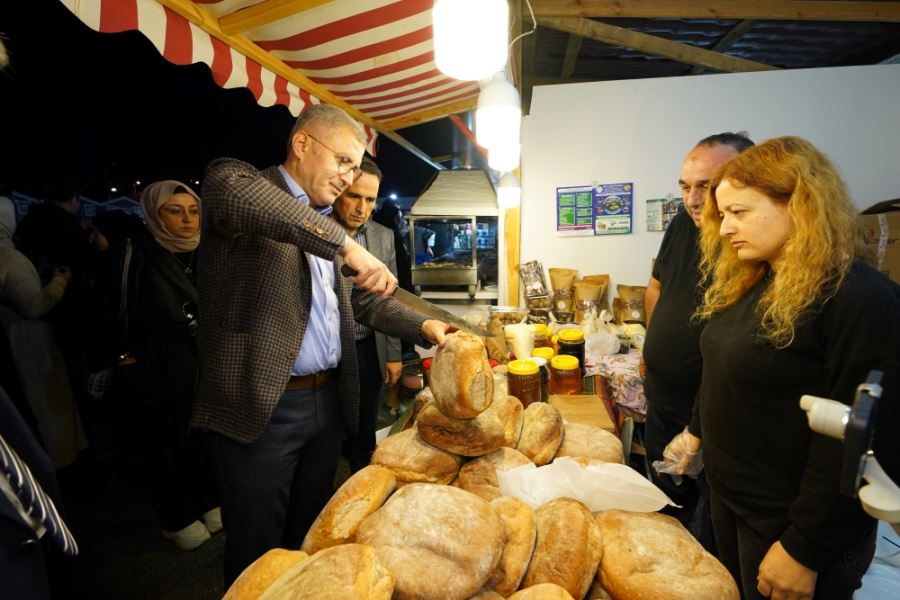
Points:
(372, 57)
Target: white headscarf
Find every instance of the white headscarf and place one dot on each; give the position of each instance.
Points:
(154, 196)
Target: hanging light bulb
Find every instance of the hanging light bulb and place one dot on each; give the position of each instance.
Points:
(498, 116)
(509, 191)
(471, 37)
(504, 157)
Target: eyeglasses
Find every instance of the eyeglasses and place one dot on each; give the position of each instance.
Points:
(345, 165)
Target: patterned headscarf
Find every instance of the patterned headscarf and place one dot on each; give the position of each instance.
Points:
(154, 196)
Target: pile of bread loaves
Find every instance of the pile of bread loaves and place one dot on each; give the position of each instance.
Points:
(426, 519)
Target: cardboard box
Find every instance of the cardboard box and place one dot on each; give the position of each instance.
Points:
(881, 232)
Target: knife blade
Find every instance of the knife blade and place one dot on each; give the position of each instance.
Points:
(426, 308)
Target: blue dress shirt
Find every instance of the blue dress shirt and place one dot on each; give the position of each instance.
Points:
(321, 347)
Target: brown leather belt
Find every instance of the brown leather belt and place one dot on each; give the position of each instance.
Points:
(314, 381)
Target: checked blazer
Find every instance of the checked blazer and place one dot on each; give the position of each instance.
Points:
(255, 296)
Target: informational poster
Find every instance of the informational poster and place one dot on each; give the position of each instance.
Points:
(661, 211)
(575, 210)
(613, 208)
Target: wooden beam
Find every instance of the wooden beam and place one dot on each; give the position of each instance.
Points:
(512, 235)
(650, 44)
(761, 10)
(728, 40)
(432, 114)
(264, 13)
(573, 48)
(529, 52)
(205, 20)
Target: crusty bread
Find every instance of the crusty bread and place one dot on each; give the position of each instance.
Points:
(511, 413)
(467, 437)
(542, 433)
(414, 460)
(479, 476)
(361, 495)
(597, 592)
(568, 547)
(442, 543)
(542, 591)
(460, 378)
(348, 572)
(592, 442)
(261, 573)
(519, 534)
(651, 555)
(486, 595)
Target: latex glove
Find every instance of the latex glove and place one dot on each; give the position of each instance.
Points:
(781, 577)
(681, 457)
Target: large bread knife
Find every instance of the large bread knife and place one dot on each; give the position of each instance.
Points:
(426, 308)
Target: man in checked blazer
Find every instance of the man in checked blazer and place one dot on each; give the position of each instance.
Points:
(278, 383)
(379, 356)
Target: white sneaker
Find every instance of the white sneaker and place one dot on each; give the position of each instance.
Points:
(213, 520)
(192, 536)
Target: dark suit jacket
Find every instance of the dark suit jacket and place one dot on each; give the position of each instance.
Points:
(380, 241)
(255, 297)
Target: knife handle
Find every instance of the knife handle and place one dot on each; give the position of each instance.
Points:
(346, 271)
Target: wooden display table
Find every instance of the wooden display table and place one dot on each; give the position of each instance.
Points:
(587, 409)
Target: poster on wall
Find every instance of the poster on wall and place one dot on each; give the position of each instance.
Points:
(613, 208)
(575, 210)
(661, 211)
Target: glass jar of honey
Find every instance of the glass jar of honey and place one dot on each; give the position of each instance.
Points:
(565, 375)
(540, 335)
(545, 352)
(571, 342)
(524, 381)
(544, 368)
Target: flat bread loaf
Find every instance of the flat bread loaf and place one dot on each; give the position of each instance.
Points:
(361, 495)
(261, 573)
(512, 414)
(460, 378)
(467, 437)
(592, 442)
(651, 555)
(479, 476)
(414, 460)
(568, 547)
(542, 433)
(441, 542)
(542, 591)
(348, 572)
(519, 534)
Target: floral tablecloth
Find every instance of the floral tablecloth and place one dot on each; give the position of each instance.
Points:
(626, 387)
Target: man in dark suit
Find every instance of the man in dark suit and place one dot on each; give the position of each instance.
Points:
(278, 384)
(379, 356)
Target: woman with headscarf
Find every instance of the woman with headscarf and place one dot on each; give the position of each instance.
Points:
(158, 332)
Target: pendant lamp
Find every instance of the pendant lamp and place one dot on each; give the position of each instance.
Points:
(471, 37)
(498, 116)
(509, 191)
(505, 156)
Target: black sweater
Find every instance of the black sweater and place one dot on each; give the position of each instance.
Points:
(757, 446)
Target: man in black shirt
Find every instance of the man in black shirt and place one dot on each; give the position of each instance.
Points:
(672, 351)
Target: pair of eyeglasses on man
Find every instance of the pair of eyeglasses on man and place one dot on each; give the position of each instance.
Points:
(345, 165)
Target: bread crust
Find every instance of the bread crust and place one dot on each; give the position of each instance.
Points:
(479, 476)
(519, 535)
(460, 378)
(263, 572)
(413, 460)
(467, 437)
(542, 433)
(591, 441)
(542, 591)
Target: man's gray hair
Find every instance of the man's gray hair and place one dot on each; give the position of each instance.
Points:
(328, 117)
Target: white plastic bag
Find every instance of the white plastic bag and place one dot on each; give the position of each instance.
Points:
(601, 342)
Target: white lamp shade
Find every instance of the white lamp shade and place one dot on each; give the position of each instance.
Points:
(504, 157)
(471, 37)
(498, 117)
(509, 191)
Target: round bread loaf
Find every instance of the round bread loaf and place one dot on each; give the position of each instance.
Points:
(568, 547)
(542, 591)
(479, 476)
(348, 572)
(519, 534)
(651, 555)
(597, 592)
(261, 573)
(460, 378)
(442, 543)
(414, 460)
(361, 495)
(467, 437)
(592, 442)
(542, 433)
(487, 595)
(511, 413)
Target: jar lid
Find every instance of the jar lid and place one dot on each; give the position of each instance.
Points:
(571, 335)
(545, 352)
(539, 329)
(540, 362)
(564, 362)
(523, 367)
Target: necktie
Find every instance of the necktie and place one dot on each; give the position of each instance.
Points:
(34, 499)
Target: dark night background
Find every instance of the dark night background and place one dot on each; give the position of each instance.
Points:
(108, 110)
